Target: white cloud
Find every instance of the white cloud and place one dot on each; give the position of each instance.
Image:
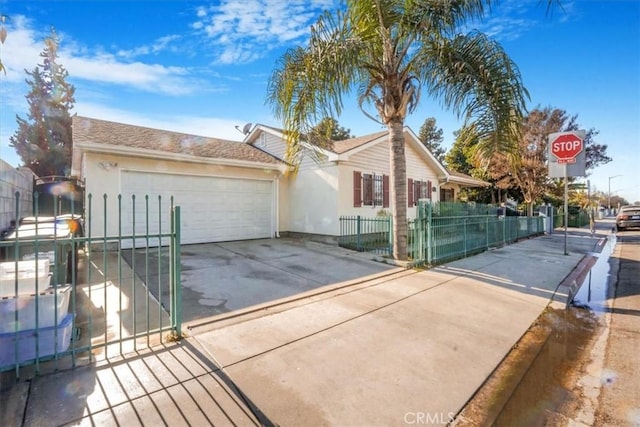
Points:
(166, 43)
(23, 46)
(242, 32)
(106, 68)
(20, 51)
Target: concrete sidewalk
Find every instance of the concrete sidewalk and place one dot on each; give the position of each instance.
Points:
(402, 348)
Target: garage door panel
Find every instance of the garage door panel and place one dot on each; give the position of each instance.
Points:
(212, 208)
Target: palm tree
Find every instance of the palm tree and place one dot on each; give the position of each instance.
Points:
(391, 51)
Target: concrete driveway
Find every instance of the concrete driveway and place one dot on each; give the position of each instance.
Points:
(222, 277)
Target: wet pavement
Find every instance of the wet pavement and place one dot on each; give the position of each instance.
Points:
(618, 402)
(595, 292)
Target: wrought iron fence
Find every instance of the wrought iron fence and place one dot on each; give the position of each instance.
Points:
(366, 234)
(73, 290)
(442, 231)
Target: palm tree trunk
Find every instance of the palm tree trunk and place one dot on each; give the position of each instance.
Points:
(399, 189)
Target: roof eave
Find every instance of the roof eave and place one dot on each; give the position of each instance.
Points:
(93, 147)
(468, 182)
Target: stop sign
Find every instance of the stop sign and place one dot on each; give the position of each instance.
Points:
(566, 146)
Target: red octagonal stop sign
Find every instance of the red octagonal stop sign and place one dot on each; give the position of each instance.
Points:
(566, 147)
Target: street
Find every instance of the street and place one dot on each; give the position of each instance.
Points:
(619, 400)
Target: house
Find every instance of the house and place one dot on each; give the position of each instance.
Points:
(232, 190)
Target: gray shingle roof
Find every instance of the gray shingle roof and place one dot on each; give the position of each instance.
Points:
(119, 134)
(479, 182)
(345, 145)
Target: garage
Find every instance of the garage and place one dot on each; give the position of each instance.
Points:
(213, 208)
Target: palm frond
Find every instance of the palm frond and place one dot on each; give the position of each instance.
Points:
(309, 82)
(476, 78)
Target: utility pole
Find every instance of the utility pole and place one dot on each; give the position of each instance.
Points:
(609, 202)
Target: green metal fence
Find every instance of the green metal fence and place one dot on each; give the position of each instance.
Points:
(366, 234)
(106, 294)
(576, 218)
(442, 232)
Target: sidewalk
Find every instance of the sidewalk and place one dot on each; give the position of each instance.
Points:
(403, 348)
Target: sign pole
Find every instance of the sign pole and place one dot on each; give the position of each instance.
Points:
(566, 157)
(566, 208)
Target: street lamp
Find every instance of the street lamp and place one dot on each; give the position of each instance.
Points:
(610, 178)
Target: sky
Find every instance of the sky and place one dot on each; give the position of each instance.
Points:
(202, 67)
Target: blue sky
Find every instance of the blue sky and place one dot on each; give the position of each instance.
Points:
(202, 67)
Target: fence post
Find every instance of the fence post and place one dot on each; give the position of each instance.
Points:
(390, 234)
(486, 232)
(464, 222)
(429, 234)
(504, 230)
(358, 242)
(176, 288)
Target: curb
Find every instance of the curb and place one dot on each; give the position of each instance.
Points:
(272, 307)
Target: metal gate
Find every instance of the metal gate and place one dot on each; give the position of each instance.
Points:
(74, 290)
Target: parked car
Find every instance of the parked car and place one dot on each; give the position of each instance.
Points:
(629, 216)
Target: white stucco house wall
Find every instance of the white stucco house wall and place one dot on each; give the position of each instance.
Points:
(352, 178)
(231, 190)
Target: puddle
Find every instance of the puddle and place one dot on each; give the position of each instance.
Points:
(547, 388)
(594, 293)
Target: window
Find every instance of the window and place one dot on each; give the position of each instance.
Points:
(367, 189)
(417, 190)
(370, 190)
(378, 191)
(446, 195)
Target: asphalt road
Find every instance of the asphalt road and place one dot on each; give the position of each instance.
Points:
(619, 400)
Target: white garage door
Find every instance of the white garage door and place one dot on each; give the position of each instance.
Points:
(213, 209)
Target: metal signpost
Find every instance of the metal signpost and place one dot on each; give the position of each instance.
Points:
(567, 158)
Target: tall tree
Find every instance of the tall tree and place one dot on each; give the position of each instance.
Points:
(43, 140)
(530, 173)
(459, 157)
(328, 130)
(431, 137)
(392, 51)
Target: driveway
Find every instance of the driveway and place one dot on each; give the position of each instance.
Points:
(222, 277)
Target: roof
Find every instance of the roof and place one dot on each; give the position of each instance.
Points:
(119, 134)
(466, 179)
(345, 145)
(337, 147)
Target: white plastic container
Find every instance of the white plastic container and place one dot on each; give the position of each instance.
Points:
(27, 273)
(49, 343)
(25, 305)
